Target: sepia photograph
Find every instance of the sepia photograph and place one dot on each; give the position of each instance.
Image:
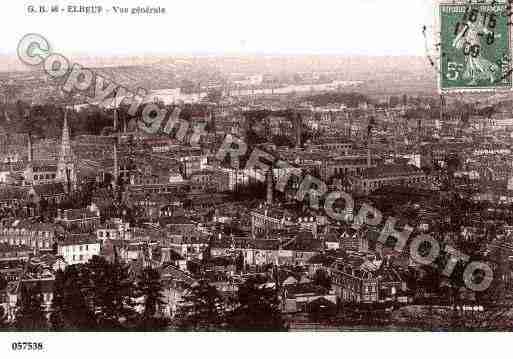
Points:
(170, 169)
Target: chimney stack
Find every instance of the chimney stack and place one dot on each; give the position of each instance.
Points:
(269, 178)
(30, 150)
(369, 159)
(297, 125)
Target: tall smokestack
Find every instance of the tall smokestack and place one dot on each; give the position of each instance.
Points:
(30, 150)
(116, 174)
(115, 125)
(369, 160)
(297, 125)
(369, 136)
(269, 180)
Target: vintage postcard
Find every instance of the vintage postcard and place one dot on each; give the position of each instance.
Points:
(254, 166)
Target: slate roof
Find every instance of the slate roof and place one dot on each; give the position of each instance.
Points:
(170, 272)
(8, 193)
(390, 170)
(303, 289)
(75, 239)
(44, 285)
(320, 259)
(49, 189)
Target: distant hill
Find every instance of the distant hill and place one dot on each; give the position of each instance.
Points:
(380, 75)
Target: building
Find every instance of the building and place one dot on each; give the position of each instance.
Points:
(80, 220)
(53, 193)
(298, 297)
(349, 165)
(12, 196)
(332, 145)
(375, 178)
(362, 279)
(267, 219)
(66, 172)
(209, 181)
(78, 248)
(114, 229)
(37, 236)
(10, 252)
(40, 173)
(45, 173)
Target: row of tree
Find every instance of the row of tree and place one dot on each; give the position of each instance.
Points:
(99, 296)
(255, 308)
(107, 296)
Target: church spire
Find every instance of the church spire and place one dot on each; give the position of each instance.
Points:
(65, 154)
(65, 166)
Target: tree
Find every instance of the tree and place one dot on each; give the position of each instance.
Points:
(258, 308)
(71, 309)
(112, 293)
(3, 314)
(3, 282)
(281, 140)
(56, 317)
(239, 262)
(30, 315)
(321, 278)
(203, 308)
(3, 319)
(150, 287)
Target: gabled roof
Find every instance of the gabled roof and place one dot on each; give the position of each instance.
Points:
(290, 280)
(32, 225)
(305, 242)
(170, 272)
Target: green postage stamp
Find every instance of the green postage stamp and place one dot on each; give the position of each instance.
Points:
(475, 46)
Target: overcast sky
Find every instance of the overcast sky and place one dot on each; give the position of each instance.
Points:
(348, 27)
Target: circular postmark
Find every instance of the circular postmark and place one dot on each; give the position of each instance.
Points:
(469, 45)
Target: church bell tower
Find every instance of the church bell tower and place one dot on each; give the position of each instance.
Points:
(66, 172)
